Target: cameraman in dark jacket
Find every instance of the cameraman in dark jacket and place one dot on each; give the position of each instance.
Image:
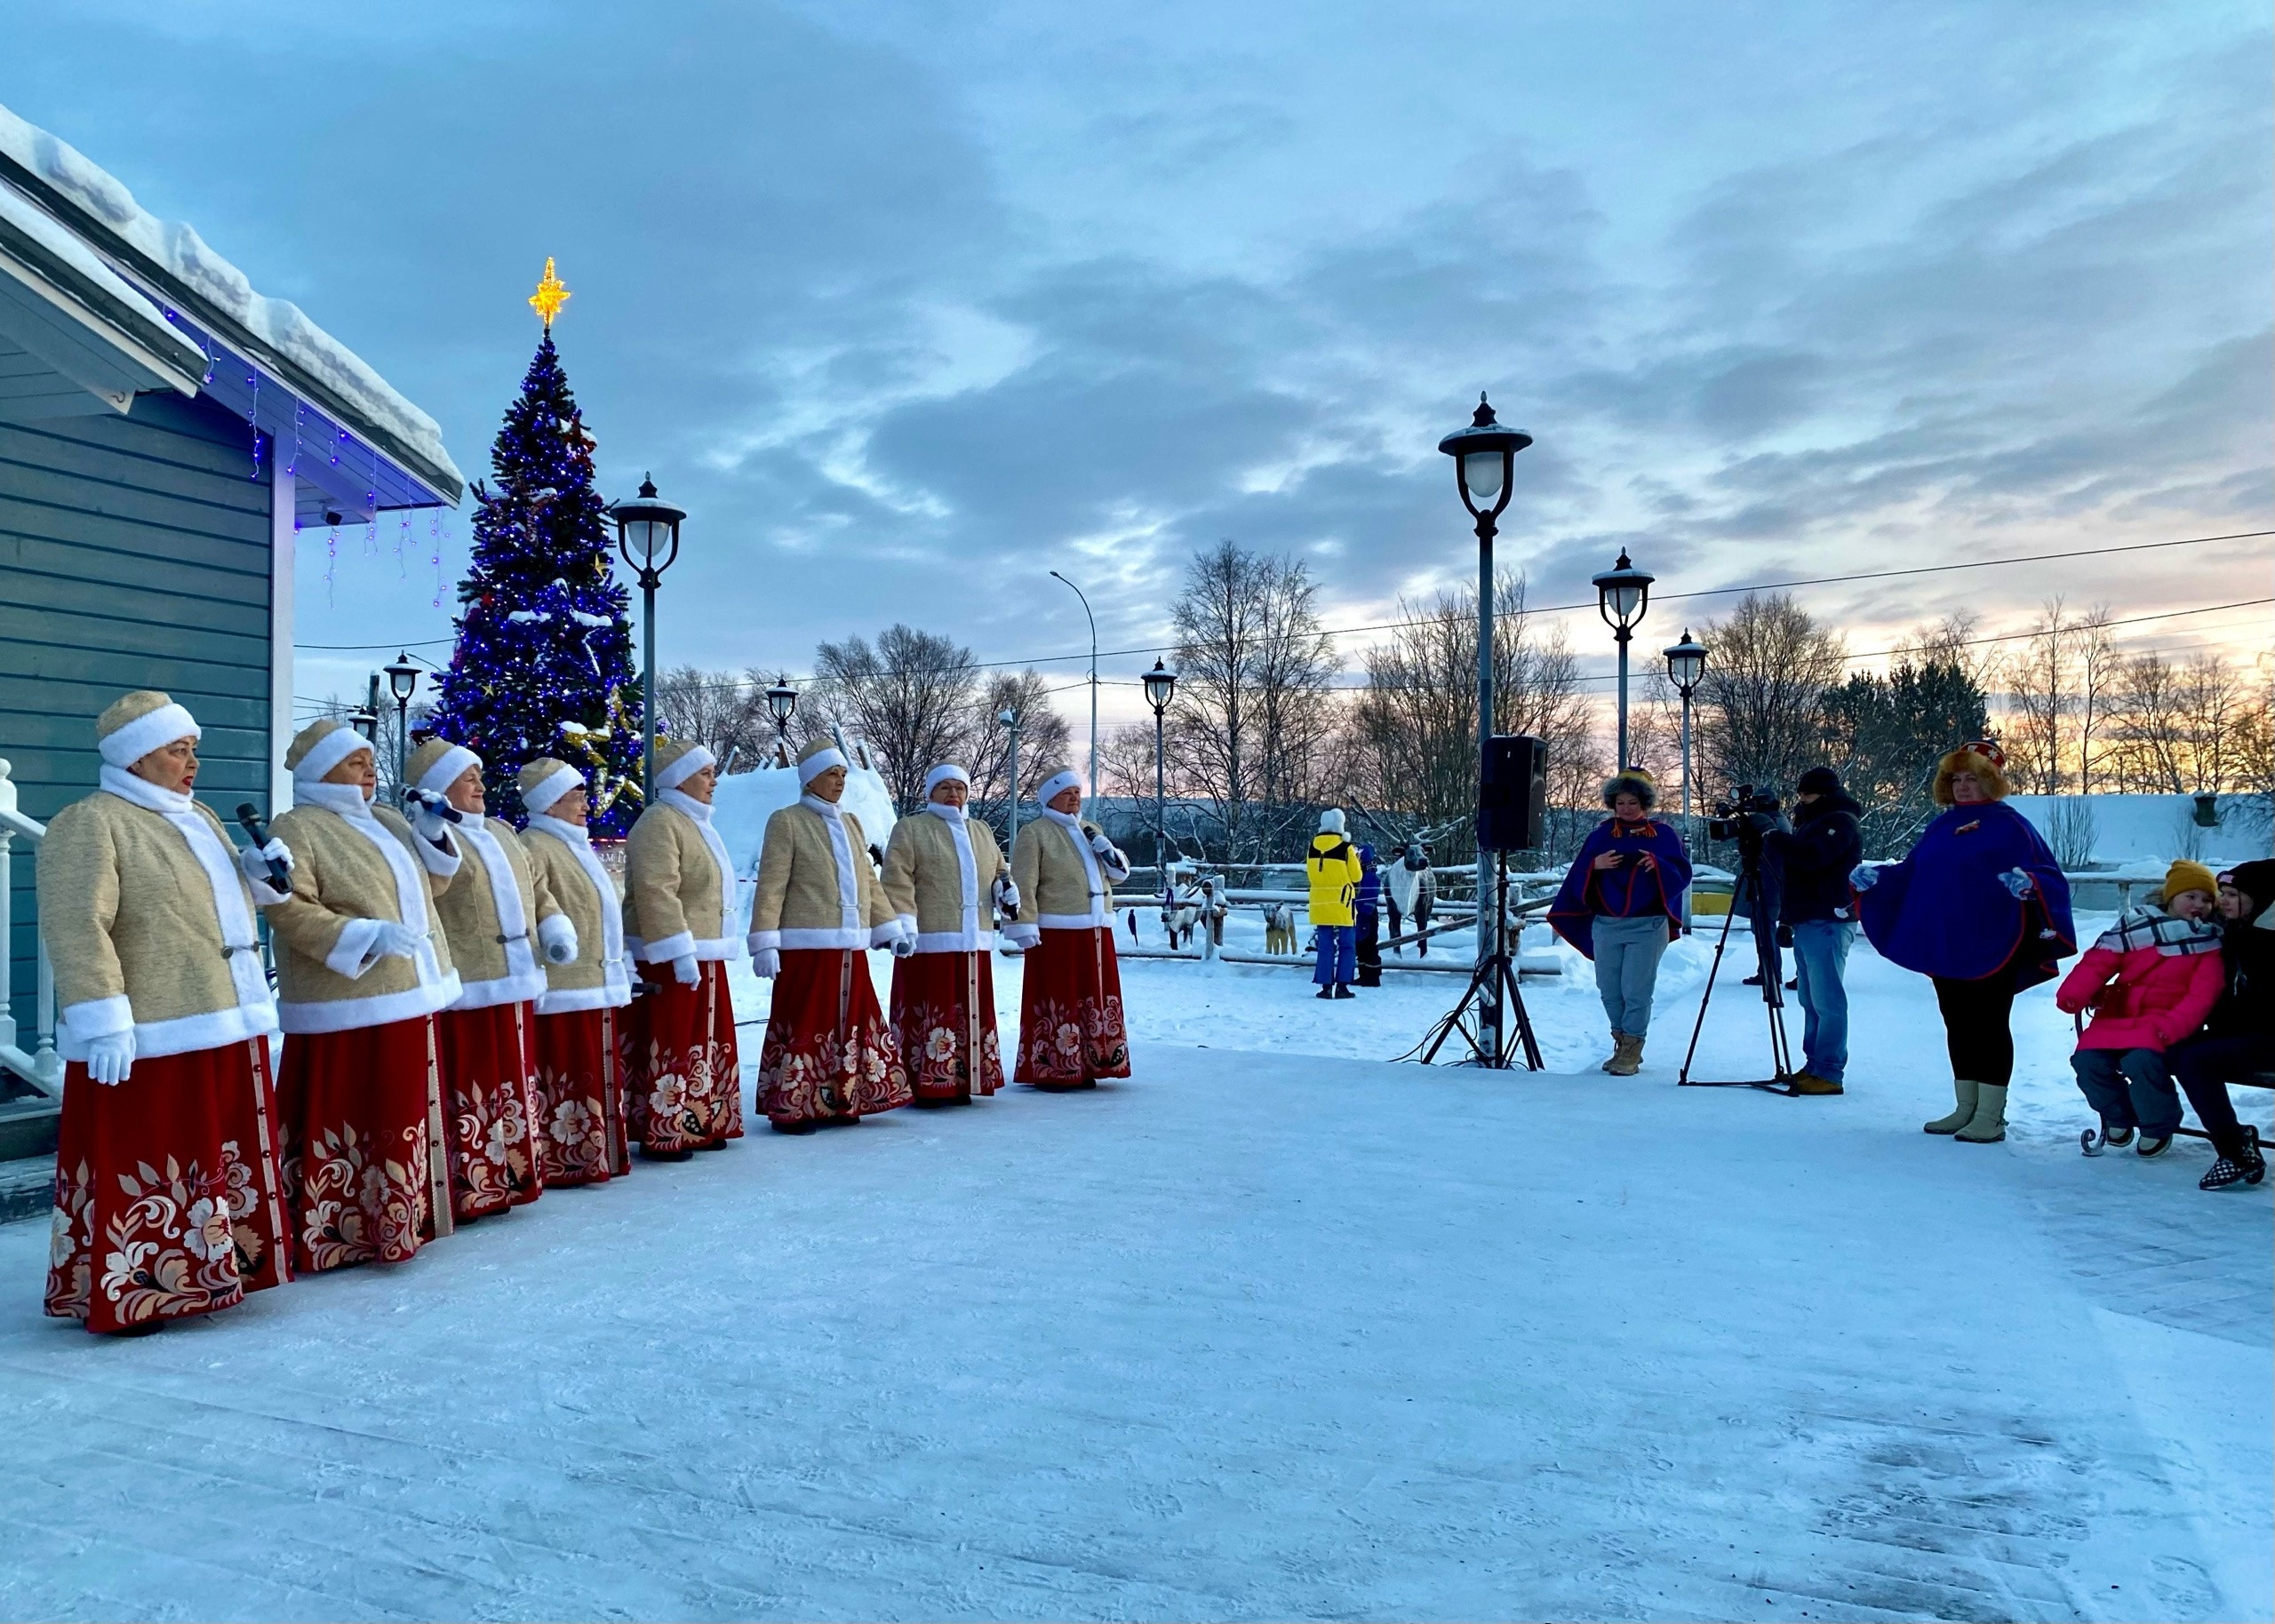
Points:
(1818, 854)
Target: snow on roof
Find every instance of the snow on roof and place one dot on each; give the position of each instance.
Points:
(182, 254)
(19, 214)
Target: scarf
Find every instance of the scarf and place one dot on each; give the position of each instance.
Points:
(967, 867)
(239, 944)
(1072, 825)
(841, 846)
(579, 839)
(505, 894)
(2169, 935)
(699, 812)
(346, 801)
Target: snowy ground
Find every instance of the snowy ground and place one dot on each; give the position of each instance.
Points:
(1274, 1330)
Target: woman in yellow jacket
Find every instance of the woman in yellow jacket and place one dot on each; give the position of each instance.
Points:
(1334, 871)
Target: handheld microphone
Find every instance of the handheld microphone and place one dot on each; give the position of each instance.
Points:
(436, 804)
(249, 820)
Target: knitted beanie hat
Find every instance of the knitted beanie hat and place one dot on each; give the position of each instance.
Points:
(2187, 876)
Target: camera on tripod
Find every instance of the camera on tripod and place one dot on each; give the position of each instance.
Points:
(1745, 817)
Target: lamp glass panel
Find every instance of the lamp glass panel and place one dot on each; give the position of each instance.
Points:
(1622, 601)
(1684, 668)
(1481, 471)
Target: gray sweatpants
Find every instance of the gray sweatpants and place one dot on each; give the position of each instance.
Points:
(1627, 968)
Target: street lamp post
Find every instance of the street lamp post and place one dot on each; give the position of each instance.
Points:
(402, 682)
(1094, 679)
(781, 703)
(644, 528)
(1009, 719)
(1623, 593)
(1685, 669)
(1161, 688)
(1484, 457)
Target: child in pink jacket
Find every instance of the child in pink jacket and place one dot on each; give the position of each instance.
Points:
(2149, 982)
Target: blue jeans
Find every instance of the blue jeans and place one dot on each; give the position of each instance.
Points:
(1820, 955)
(1338, 955)
(2129, 1088)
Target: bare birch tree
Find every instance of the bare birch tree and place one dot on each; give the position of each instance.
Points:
(910, 697)
(1759, 713)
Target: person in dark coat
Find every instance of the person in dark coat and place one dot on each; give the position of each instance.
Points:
(2239, 1037)
(1621, 903)
(1816, 858)
(1369, 908)
(1980, 907)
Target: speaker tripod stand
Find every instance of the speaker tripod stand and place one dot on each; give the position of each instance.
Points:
(1495, 974)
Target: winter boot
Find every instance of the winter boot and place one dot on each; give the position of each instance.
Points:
(1629, 1059)
(1618, 1049)
(2150, 1145)
(2245, 1164)
(1324, 992)
(1343, 990)
(1959, 1118)
(1810, 1082)
(1989, 1125)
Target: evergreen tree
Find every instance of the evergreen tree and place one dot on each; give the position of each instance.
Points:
(1885, 734)
(543, 665)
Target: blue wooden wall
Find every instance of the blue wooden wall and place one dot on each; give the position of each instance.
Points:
(134, 552)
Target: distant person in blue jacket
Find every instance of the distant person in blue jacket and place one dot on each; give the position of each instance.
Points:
(1621, 903)
(1980, 908)
(1369, 909)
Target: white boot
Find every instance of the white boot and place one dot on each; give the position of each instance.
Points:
(1966, 1093)
(1990, 1124)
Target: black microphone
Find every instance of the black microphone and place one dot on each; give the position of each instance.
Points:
(436, 804)
(249, 820)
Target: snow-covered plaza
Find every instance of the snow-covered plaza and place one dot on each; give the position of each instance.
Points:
(1276, 1329)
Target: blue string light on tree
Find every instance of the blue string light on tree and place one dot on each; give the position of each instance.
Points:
(543, 664)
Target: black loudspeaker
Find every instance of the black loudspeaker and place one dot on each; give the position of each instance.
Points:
(1512, 800)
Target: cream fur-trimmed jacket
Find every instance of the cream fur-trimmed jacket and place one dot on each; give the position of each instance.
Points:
(1063, 884)
(816, 888)
(679, 888)
(491, 914)
(940, 872)
(600, 976)
(355, 866)
(144, 933)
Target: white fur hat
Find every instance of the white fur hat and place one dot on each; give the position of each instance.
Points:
(135, 724)
(817, 759)
(1331, 822)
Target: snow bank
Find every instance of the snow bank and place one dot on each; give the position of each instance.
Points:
(746, 800)
(2147, 832)
(278, 322)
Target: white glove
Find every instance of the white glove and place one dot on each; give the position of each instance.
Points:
(428, 824)
(1099, 843)
(255, 860)
(398, 941)
(1024, 936)
(686, 971)
(111, 1057)
(559, 939)
(903, 946)
(1864, 876)
(2018, 884)
(1007, 897)
(765, 963)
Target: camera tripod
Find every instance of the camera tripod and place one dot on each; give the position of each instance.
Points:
(1773, 988)
(1497, 971)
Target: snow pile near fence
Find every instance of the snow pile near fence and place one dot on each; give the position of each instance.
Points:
(2147, 832)
(746, 800)
(278, 322)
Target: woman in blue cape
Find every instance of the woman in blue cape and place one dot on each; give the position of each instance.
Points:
(1978, 906)
(1621, 904)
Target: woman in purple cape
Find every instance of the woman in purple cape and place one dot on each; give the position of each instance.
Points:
(1978, 906)
(1621, 903)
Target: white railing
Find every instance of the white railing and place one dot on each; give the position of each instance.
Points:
(42, 1068)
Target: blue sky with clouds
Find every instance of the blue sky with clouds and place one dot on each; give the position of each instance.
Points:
(909, 304)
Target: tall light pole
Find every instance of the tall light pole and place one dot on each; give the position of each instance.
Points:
(1685, 669)
(1094, 681)
(402, 682)
(645, 528)
(1009, 719)
(1623, 593)
(1484, 457)
(1161, 688)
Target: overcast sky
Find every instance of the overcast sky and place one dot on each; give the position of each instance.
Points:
(908, 304)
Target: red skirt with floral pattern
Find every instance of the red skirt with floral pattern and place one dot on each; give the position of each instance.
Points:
(581, 1098)
(490, 1108)
(1071, 1027)
(943, 1022)
(828, 1051)
(169, 1201)
(682, 1070)
(365, 1174)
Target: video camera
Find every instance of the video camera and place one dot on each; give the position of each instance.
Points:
(1745, 817)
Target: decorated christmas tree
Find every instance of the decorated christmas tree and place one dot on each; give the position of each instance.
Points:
(543, 665)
